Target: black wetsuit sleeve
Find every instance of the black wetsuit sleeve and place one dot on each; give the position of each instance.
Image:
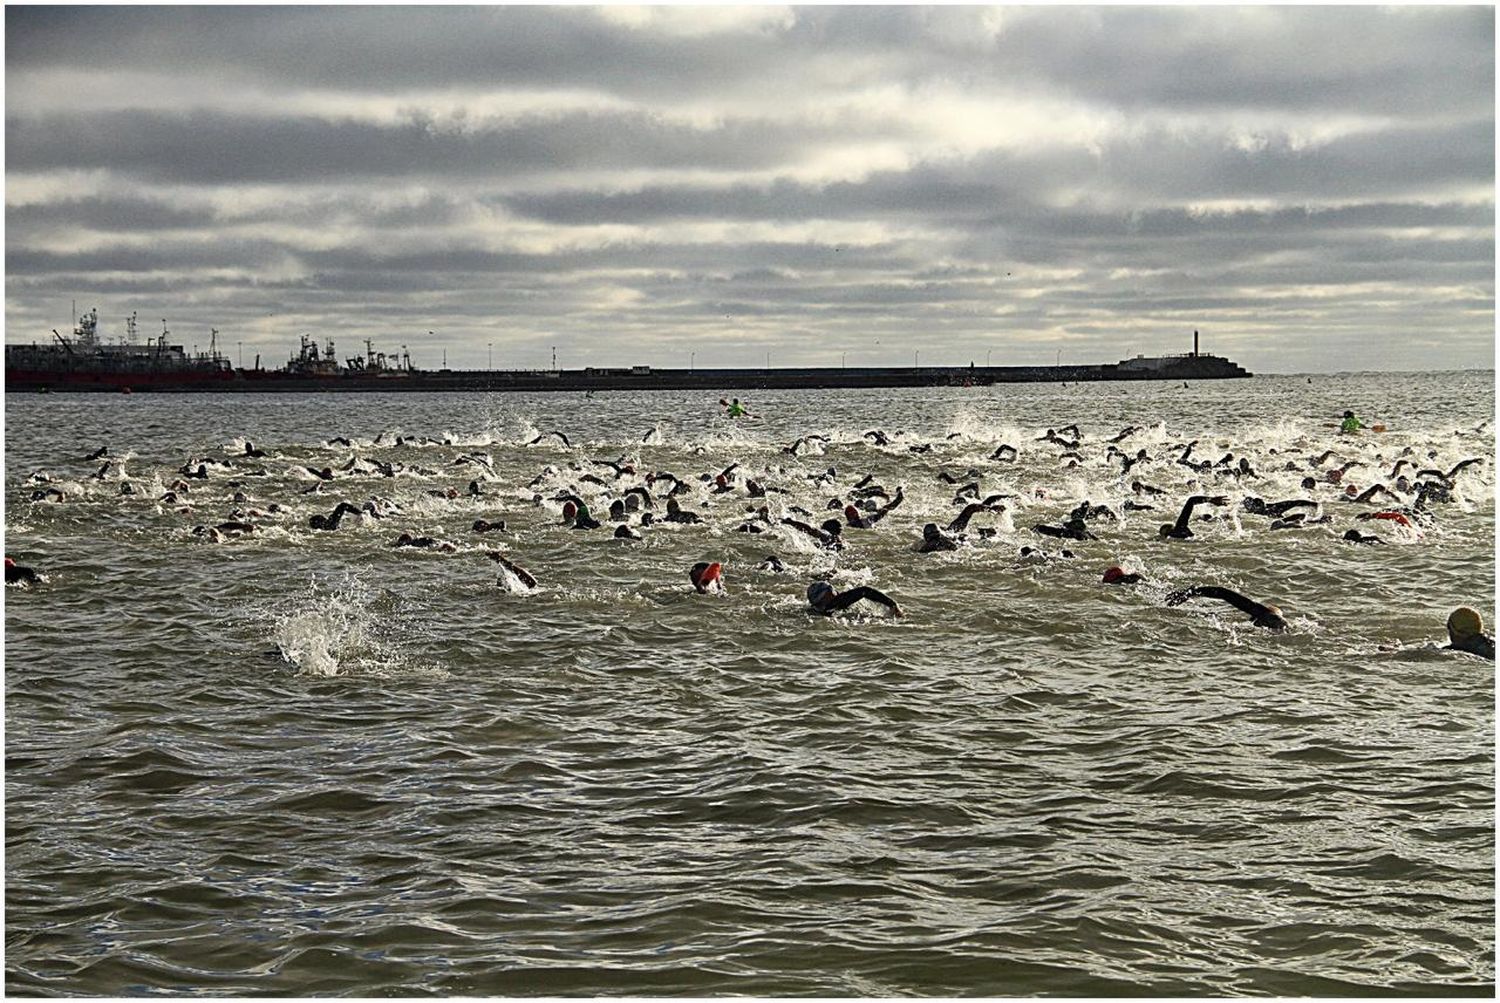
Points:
(846, 599)
(961, 522)
(1243, 603)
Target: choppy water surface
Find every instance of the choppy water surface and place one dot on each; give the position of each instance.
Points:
(301, 762)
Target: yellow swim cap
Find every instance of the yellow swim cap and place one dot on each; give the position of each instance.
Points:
(1464, 622)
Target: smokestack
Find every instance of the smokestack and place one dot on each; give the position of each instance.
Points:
(1195, 344)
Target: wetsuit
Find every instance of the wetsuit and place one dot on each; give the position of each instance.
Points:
(1180, 530)
(828, 536)
(1261, 614)
(1478, 644)
(22, 575)
(525, 576)
(823, 599)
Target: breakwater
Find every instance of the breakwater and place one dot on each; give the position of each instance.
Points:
(1185, 367)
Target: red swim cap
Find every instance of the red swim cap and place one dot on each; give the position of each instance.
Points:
(1113, 574)
(10, 562)
(569, 510)
(851, 511)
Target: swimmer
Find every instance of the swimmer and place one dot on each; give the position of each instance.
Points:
(1261, 614)
(829, 537)
(1034, 555)
(1259, 506)
(1130, 461)
(734, 409)
(1005, 453)
(961, 521)
(1087, 511)
(485, 526)
(1465, 630)
(251, 451)
(1354, 536)
(96, 454)
(877, 437)
(526, 578)
(857, 521)
(823, 599)
(623, 532)
(620, 467)
(1117, 576)
(577, 513)
(1180, 530)
(1141, 488)
(1373, 490)
(1073, 529)
(704, 575)
(934, 539)
(544, 435)
(805, 440)
(423, 543)
(1349, 424)
(676, 513)
(19, 574)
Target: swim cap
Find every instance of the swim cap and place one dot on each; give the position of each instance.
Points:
(1348, 414)
(1113, 574)
(832, 527)
(569, 510)
(851, 512)
(10, 562)
(1464, 622)
(703, 573)
(818, 591)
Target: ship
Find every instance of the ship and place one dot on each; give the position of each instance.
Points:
(85, 361)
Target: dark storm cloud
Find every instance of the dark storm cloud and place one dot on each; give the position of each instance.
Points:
(115, 213)
(215, 148)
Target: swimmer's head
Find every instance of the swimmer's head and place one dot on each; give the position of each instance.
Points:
(833, 527)
(570, 510)
(1464, 623)
(721, 481)
(10, 562)
(1113, 574)
(819, 593)
(851, 513)
(930, 531)
(1351, 490)
(1348, 414)
(1271, 618)
(1308, 483)
(703, 574)
(1164, 530)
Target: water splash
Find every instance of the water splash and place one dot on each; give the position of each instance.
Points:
(343, 630)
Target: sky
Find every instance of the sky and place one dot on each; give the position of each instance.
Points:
(1311, 188)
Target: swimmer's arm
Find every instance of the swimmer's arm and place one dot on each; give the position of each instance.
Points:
(1461, 465)
(525, 576)
(812, 531)
(846, 599)
(1241, 602)
(961, 522)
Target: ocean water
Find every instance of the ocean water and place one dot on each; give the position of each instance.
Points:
(301, 762)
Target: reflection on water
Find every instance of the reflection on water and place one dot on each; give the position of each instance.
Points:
(300, 762)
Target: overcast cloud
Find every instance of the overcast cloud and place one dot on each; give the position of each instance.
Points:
(1310, 187)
